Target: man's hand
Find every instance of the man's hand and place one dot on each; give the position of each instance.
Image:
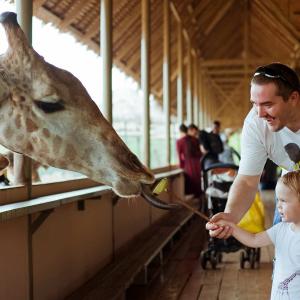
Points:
(220, 232)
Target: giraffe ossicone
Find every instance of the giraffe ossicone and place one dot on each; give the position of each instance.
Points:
(47, 114)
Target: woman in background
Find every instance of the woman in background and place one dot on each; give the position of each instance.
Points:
(189, 158)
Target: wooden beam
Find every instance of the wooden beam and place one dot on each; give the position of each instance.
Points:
(218, 17)
(37, 4)
(280, 23)
(72, 13)
(224, 96)
(240, 62)
(214, 73)
(122, 31)
(130, 45)
(201, 6)
(231, 96)
(175, 12)
(92, 30)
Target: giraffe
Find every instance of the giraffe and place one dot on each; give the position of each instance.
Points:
(47, 114)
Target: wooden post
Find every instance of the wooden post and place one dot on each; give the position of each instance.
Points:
(195, 91)
(22, 164)
(189, 99)
(166, 76)
(145, 78)
(106, 54)
(180, 116)
(201, 98)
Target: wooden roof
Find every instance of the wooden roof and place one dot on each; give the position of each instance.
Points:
(231, 38)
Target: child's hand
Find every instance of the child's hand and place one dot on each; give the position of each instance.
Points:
(224, 225)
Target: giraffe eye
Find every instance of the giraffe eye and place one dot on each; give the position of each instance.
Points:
(50, 107)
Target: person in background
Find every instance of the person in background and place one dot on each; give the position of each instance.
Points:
(211, 144)
(227, 156)
(284, 235)
(193, 131)
(182, 133)
(189, 160)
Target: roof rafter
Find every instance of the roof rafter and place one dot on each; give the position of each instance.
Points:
(220, 14)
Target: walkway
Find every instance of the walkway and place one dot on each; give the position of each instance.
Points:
(184, 279)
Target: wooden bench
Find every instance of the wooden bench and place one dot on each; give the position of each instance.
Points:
(137, 263)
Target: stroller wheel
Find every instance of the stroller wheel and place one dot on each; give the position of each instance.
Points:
(252, 258)
(242, 260)
(214, 259)
(257, 252)
(220, 257)
(203, 259)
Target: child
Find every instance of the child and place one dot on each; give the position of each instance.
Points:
(285, 236)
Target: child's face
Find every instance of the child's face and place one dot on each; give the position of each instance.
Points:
(288, 203)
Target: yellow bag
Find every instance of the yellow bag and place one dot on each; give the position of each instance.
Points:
(254, 219)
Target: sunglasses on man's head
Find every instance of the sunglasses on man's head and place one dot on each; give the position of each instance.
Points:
(274, 74)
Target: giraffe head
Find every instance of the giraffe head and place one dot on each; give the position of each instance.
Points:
(47, 114)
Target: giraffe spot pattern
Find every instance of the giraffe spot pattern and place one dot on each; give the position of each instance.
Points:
(29, 147)
(46, 132)
(57, 143)
(18, 121)
(70, 152)
(31, 126)
(8, 132)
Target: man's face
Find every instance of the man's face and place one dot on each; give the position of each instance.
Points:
(216, 129)
(193, 132)
(269, 106)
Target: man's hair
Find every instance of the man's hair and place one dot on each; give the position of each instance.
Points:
(217, 123)
(292, 181)
(192, 126)
(285, 86)
(183, 128)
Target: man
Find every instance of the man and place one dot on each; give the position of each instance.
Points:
(211, 144)
(272, 124)
(193, 131)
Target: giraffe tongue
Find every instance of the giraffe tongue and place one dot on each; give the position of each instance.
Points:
(147, 194)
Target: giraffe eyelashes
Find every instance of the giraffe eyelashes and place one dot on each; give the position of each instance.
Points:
(50, 107)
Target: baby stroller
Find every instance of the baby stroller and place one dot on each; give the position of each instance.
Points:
(216, 180)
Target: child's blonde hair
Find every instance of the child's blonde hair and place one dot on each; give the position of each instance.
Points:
(292, 180)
